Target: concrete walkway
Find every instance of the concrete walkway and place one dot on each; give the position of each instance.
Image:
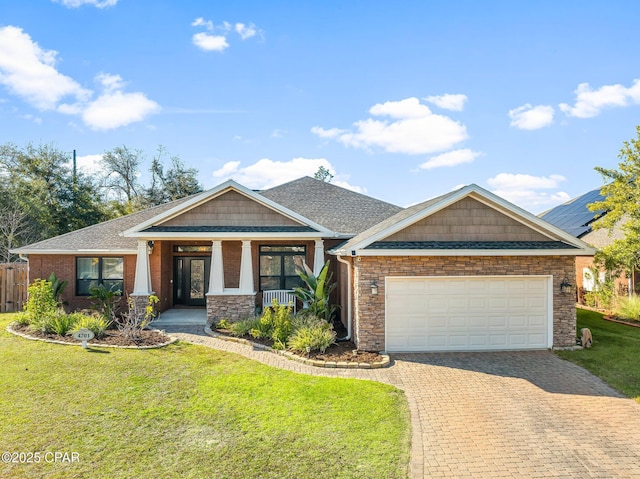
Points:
(518, 414)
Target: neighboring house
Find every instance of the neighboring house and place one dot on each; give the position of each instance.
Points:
(575, 218)
(464, 271)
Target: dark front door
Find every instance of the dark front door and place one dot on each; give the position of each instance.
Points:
(191, 280)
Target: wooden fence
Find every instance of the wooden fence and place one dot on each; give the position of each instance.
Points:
(13, 286)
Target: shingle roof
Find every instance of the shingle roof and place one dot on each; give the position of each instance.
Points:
(104, 235)
(457, 245)
(573, 216)
(390, 221)
(338, 209)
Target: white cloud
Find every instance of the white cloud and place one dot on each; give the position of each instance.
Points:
(590, 103)
(525, 190)
(89, 164)
(210, 43)
(415, 129)
(449, 101)
(228, 169)
(278, 133)
(267, 173)
(201, 22)
(246, 31)
(113, 108)
(79, 3)
(450, 158)
(529, 117)
(28, 71)
(36, 119)
(216, 39)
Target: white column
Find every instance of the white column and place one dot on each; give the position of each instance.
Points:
(216, 276)
(246, 269)
(142, 284)
(318, 257)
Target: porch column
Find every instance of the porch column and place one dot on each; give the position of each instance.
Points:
(142, 284)
(246, 269)
(318, 257)
(216, 276)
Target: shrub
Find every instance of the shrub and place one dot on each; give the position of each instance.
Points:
(96, 323)
(242, 327)
(41, 301)
(61, 323)
(57, 286)
(223, 324)
(315, 337)
(629, 308)
(105, 301)
(275, 324)
(316, 292)
(136, 319)
(23, 319)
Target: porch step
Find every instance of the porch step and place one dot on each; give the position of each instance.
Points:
(173, 317)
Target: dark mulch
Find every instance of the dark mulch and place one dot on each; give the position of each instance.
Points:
(111, 337)
(342, 351)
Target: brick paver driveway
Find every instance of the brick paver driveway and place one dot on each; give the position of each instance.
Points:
(524, 414)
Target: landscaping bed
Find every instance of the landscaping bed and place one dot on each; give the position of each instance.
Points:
(148, 338)
(341, 351)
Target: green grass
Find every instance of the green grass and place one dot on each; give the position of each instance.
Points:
(615, 354)
(186, 411)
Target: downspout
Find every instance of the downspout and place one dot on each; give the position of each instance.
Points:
(348, 336)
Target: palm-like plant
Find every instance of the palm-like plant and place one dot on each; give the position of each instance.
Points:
(316, 291)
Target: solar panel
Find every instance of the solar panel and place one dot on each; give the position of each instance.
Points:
(573, 216)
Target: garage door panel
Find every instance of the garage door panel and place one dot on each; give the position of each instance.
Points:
(474, 313)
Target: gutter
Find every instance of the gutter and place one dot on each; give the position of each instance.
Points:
(348, 336)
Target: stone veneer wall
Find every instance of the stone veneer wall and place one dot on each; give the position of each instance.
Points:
(369, 311)
(230, 306)
(139, 303)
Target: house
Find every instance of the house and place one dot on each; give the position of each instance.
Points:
(575, 218)
(464, 271)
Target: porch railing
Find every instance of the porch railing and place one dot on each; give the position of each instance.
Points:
(283, 296)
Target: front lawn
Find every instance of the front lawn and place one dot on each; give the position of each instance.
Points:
(186, 411)
(615, 354)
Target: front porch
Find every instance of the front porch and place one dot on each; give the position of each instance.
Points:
(181, 317)
(226, 277)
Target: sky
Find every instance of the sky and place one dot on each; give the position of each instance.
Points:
(402, 101)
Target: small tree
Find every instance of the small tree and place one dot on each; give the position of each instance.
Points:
(131, 323)
(323, 174)
(621, 193)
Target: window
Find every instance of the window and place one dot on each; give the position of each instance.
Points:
(107, 271)
(191, 249)
(279, 265)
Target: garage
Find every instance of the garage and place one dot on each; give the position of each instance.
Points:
(468, 313)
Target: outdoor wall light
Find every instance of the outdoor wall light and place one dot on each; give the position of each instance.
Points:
(374, 287)
(565, 286)
(150, 245)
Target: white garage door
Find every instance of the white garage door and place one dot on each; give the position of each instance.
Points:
(470, 313)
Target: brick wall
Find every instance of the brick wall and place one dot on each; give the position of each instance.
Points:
(64, 266)
(369, 310)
